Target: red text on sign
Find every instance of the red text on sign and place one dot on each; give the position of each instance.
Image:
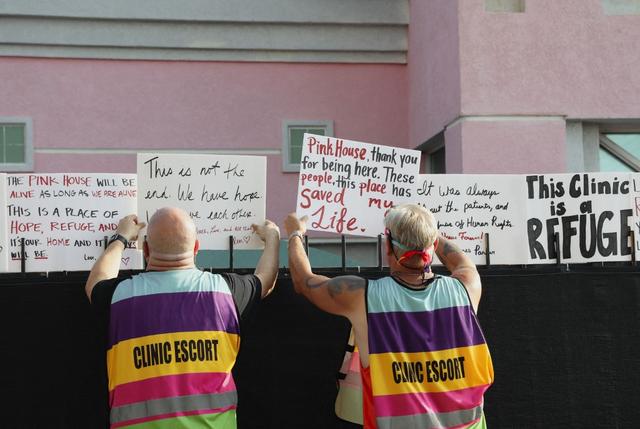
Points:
(309, 195)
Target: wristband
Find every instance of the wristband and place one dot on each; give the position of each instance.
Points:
(118, 237)
(296, 233)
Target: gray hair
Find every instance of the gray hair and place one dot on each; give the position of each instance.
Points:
(412, 225)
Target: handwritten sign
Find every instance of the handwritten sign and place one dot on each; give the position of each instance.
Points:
(468, 207)
(591, 212)
(4, 242)
(223, 194)
(346, 186)
(64, 219)
(635, 206)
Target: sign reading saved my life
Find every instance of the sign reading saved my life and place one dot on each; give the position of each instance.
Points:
(224, 195)
(347, 186)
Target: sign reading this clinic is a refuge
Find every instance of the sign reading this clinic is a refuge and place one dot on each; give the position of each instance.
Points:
(224, 194)
(65, 217)
(346, 186)
(478, 212)
(590, 212)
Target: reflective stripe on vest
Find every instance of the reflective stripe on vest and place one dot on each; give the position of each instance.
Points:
(429, 362)
(173, 340)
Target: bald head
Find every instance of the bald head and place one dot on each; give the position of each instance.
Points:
(171, 235)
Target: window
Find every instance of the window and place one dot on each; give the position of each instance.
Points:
(437, 161)
(621, 7)
(16, 151)
(293, 134)
(512, 6)
(433, 159)
(619, 152)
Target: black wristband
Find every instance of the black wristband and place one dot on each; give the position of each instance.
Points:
(118, 237)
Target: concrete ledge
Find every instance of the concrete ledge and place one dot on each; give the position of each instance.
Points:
(296, 11)
(177, 54)
(212, 41)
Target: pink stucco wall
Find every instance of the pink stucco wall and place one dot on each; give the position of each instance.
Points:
(433, 68)
(508, 146)
(558, 57)
(146, 105)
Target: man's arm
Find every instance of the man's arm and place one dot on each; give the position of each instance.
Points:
(267, 268)
(342, 295)
(461, 268)
(108, 264)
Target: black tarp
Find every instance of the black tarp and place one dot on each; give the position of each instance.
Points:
(565, 348)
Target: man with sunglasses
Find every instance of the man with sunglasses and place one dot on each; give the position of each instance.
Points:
(425, 362)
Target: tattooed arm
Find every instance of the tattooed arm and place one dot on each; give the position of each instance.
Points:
(342, 295)
(461, 268)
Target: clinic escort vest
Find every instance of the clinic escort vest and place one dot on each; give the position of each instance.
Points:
(173, 340)
(428, 360)
(348, 405)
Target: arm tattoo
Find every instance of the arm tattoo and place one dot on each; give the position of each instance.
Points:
(447, 249)
(340, 284)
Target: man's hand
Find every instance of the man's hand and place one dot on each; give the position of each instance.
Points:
(343, 295)
(108, 264)
(292, 223)
(129, 227)
(267, 230)
(267, 268)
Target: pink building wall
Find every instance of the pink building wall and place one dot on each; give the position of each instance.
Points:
(498, 84)
(501, 84)
(510, 146)
(114, 106)
(557, 58)
(433, 68)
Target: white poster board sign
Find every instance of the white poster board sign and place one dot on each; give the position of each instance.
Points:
(635, 205)
(468, 207)
(224, 194)
(65, 217)
(4, 242)
(591, 212)
(347, 186)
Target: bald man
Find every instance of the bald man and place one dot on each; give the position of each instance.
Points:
(173, 331)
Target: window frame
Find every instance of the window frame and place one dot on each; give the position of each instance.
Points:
(618, 152)
(614, 149)
(27, 165)
(287, 165)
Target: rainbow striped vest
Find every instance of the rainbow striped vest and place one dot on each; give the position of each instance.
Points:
(429, 362)
(173, 340)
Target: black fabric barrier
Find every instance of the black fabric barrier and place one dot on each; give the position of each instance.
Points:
(565, 348)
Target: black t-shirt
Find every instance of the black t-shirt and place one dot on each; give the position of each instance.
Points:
(245, 289)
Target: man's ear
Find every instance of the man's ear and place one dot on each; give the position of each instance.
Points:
(145, 250)
(388, 245)
(196, 247)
